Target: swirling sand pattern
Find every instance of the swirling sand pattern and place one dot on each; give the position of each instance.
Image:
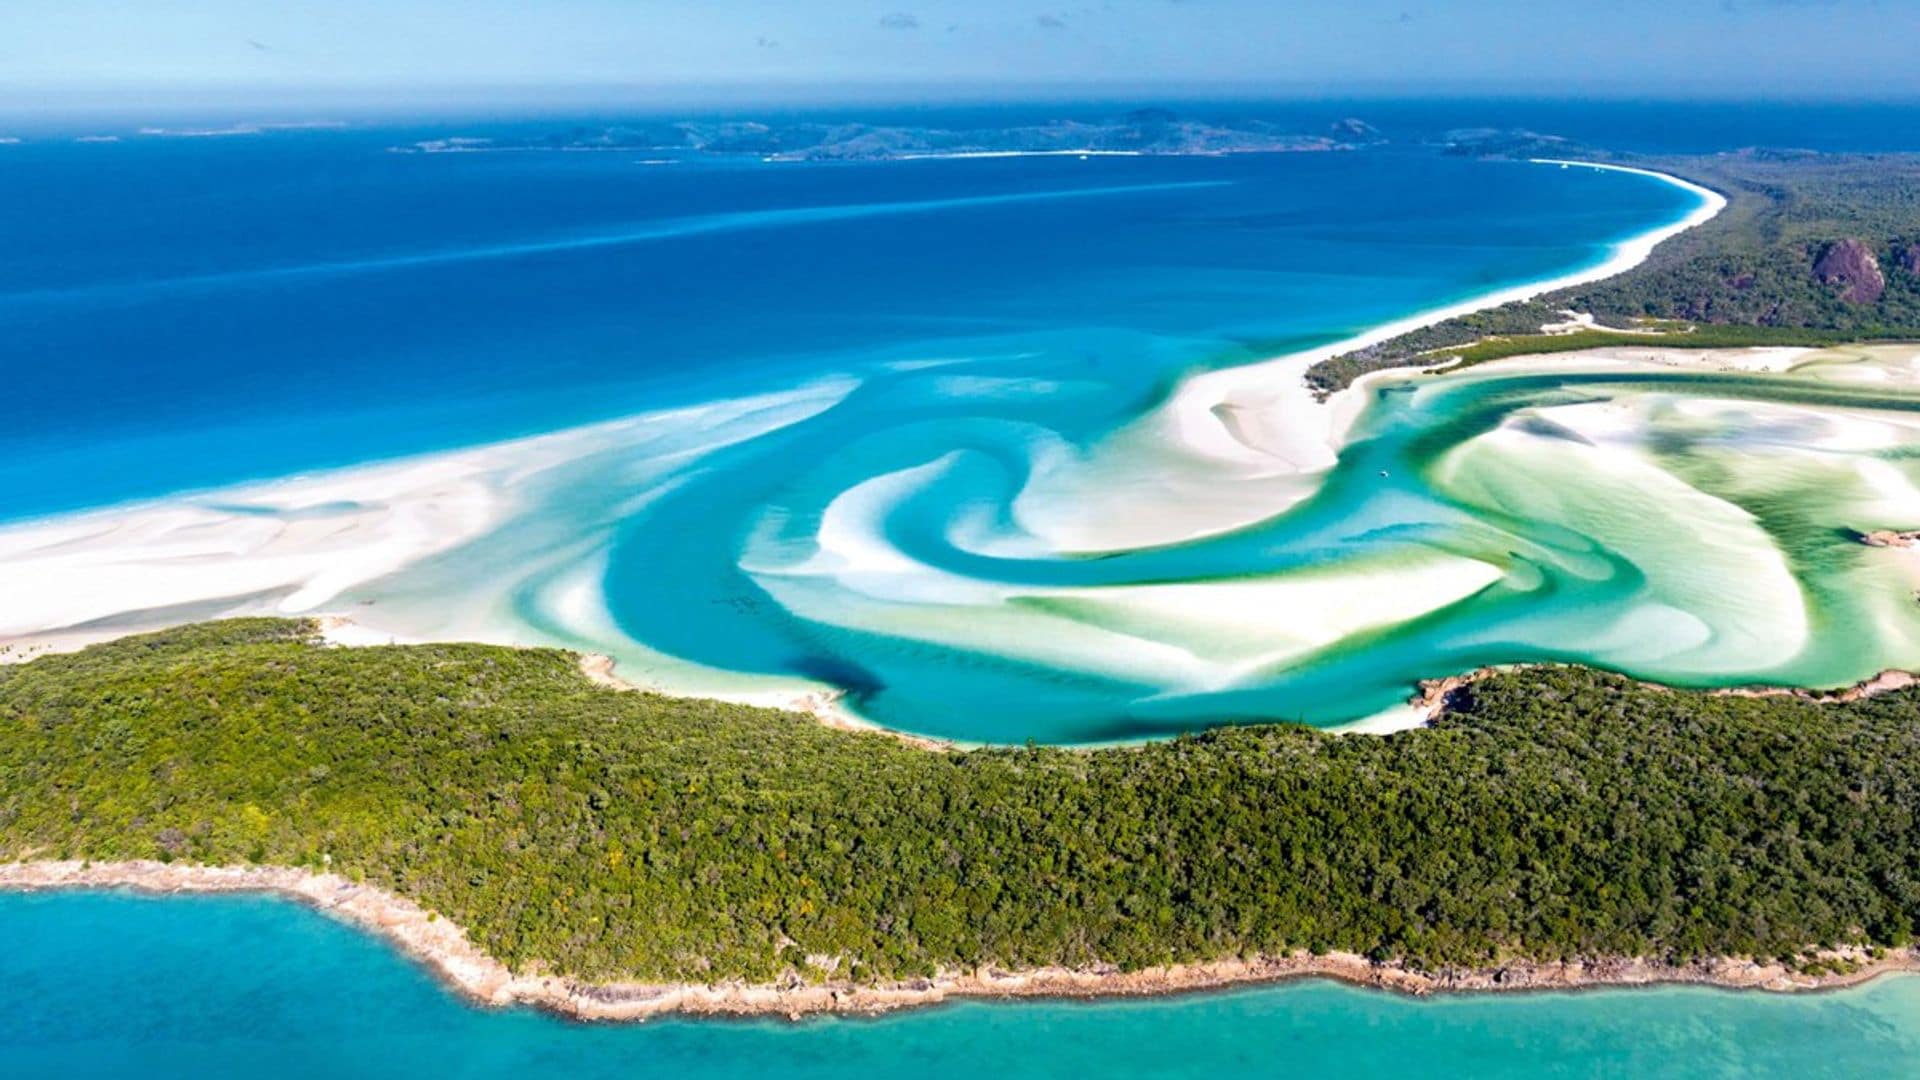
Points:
(1694, 527)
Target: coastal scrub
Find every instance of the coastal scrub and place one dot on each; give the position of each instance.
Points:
(1548, 814)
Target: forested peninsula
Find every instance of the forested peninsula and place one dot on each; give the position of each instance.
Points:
(1547, 816)
(1812, 249)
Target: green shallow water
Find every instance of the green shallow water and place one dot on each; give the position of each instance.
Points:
(1682, 524)
(103, 984)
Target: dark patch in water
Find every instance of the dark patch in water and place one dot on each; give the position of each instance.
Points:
(1534, 424)
(858, 682)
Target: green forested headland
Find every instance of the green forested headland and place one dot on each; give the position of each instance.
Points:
(1549, 813)
(1812, 249)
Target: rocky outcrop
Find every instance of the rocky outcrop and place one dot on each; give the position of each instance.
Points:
(1886, 538)
(1435, 697)
(1910, 258)
(1884, 683)
(1851, 265)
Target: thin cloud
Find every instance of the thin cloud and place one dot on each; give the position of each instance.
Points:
(1051, 22)
(900, 20)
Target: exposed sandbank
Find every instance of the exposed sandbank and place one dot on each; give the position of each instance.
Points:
(444, 948)
(1238, 445)
(1307, 437)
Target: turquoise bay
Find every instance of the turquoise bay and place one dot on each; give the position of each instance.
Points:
(110, 984)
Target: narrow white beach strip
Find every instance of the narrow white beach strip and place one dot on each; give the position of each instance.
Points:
(1193, 416)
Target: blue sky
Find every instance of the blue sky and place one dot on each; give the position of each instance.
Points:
(104, 49)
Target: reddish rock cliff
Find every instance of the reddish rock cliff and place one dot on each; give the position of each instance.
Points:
(1851, 263)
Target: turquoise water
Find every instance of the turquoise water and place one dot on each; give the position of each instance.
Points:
(107, 984)
(920, 432)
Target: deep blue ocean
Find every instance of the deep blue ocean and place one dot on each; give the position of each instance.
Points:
(184, 313)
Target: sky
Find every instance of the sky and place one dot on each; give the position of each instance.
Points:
(106, 51)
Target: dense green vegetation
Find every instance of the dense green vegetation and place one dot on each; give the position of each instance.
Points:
(1701, 337)
(1756, 266)
(1549, 813)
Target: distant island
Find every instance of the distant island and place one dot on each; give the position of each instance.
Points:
(1142, 132)
(541, 838)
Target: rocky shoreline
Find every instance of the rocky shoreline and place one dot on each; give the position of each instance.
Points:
(1434, 695)
(1888, 538)
(445, 949)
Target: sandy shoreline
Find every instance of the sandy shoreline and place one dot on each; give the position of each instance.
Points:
(823, 706)
(443, 947)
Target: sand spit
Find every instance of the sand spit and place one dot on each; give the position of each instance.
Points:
(1242, 444)
(444, 948)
